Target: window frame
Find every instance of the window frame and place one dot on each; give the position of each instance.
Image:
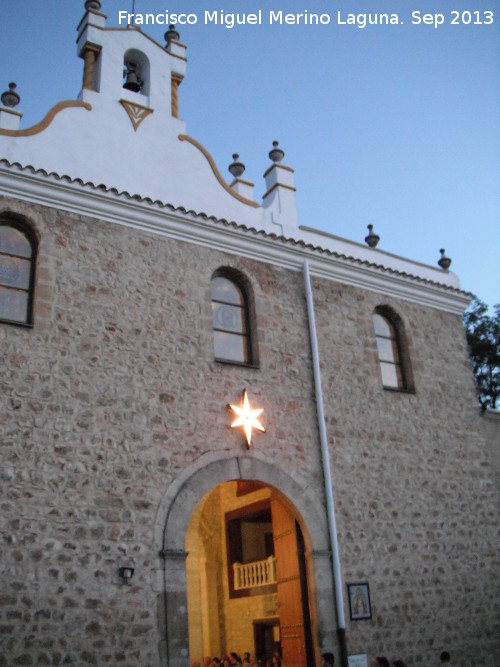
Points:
(21, 225)
(248, 317)
(399, 344)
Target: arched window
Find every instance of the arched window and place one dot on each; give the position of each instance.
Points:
(231, 320)
(17, 271)
(395, 372)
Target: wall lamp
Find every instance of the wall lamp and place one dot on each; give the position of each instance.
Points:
(126, 573)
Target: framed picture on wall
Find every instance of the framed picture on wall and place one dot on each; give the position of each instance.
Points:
(359, 601)
(358, 660)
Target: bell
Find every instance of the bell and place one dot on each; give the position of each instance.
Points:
(132, 82)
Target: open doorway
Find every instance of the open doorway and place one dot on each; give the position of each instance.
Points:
(267, 640)
(247, 577)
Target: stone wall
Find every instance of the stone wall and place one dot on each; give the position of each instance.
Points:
(114, 394)
(417, 509)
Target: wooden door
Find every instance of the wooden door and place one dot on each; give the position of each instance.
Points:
(292, 627)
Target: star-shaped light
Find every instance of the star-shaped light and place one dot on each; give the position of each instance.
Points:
(247, 417)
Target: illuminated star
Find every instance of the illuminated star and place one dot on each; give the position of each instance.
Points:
(247, 417)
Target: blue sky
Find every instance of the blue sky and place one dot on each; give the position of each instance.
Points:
(394, 126)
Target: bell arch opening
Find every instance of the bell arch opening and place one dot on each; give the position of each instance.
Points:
(136, 72)
(246, 566)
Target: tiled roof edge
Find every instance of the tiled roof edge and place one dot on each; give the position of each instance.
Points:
(235, 225)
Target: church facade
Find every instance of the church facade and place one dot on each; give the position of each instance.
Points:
(221, 430)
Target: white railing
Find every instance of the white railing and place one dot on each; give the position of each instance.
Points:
(252, 575)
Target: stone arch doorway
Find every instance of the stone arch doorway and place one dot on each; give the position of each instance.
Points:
(180, 520)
